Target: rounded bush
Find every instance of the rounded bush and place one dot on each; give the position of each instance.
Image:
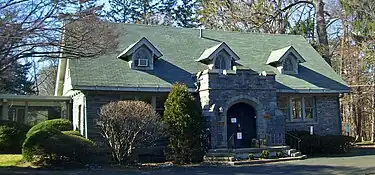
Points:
(33, 145)
(12, 135)
(52, 146)
(75, 133)
(59, 124)
(69, 148)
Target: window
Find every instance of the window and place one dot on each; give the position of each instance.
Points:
(142, 62)
(142, 57)
(222, 61)
(290, 64)
(297, 108)
(284, 106)
(309, 108)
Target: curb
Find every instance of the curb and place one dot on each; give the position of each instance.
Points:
(250, 162)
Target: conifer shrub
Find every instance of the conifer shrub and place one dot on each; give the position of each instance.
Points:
(12, 135)
(185, 123)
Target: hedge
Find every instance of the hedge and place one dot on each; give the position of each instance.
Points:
(53, 146)
(59, 124)
(75, 133)
(329, 144)
(12, 135)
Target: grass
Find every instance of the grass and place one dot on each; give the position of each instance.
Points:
(8, 160)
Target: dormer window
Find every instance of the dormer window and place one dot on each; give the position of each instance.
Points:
(219, 57)
(222, 61)
(141, 55)
(286, 60)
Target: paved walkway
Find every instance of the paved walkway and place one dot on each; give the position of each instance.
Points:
(358, 162)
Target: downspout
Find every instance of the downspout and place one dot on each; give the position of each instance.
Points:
(85, 115)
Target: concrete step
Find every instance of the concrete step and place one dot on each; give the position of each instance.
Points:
(296, 154)
(290, 151)
(218, 158)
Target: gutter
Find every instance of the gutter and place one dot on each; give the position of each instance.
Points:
(132, 89)
(311, 91)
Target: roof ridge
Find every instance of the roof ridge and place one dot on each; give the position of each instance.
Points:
(215, 30)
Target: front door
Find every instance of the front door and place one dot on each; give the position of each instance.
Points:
(241, 125)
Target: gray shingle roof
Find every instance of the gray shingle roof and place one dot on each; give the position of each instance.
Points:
(181, 47)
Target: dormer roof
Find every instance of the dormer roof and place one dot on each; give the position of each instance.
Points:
(277, 56)
(133, 47)
(210, 53)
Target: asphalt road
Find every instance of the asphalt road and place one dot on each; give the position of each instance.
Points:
(358, 162)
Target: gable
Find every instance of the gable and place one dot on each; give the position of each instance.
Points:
(181, 47)
(143, 42)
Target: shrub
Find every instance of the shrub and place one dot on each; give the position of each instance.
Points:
(186, 126)
(265, 154)
(251, 156)
(59, 124)
(12, 135)
(75, 133)
(279, 154)
(129, 126)
(32, 145)
(52, 146)
(330, 144)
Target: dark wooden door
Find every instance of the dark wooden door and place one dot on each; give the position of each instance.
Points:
(241, 125)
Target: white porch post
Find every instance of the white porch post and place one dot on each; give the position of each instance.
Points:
(4, 109)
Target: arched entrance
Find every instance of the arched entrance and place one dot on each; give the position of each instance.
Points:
(241, 125)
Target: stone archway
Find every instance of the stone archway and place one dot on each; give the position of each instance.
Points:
(241, 125)
(260, 124)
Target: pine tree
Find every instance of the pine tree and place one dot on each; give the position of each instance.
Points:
(167, 9)
(185, 15)
(15, 81)
(144, 11)
(120, 11)
(186, 126)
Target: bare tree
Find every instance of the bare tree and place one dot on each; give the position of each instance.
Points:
(129, 126)
(54, 29)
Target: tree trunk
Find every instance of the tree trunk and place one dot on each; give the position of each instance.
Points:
(322, 30)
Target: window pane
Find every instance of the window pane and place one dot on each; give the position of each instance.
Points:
(296, 107)
(217, 63)
(288, 64)
(283, 106)
(309, 107)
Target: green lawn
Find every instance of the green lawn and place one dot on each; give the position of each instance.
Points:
(7, 160)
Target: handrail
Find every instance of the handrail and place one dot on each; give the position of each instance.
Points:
(231, 138)
(298, 140)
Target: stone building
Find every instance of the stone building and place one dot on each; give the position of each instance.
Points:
(249, 85)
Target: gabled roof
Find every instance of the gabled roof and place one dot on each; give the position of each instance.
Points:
(133, 47)
(211, 52)
(279, 55)
(181, 46)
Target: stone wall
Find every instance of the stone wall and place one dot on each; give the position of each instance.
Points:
(328, 120)
(219, 90)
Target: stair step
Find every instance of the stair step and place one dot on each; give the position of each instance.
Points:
(218, 158)
(290, 151)
(296, 154)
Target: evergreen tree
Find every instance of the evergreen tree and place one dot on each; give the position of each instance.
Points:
(14, 80)
(144, 11)
(120, 11)
(185, 15)
(167, 9)
(186, 126)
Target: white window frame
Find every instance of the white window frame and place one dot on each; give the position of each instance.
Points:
(302, 110)
(142, 65)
